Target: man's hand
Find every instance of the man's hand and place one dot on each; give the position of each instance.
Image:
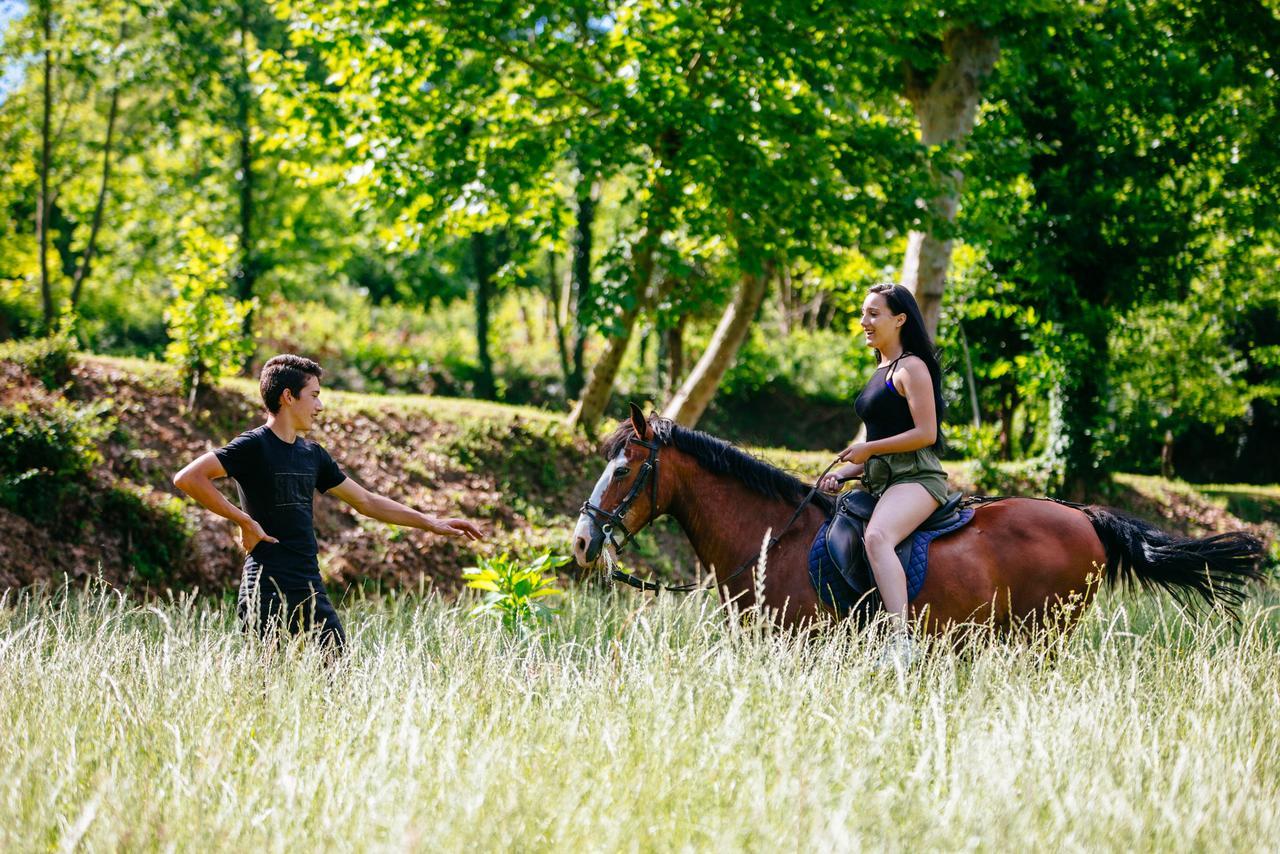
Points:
(251, 534)
(457, 528)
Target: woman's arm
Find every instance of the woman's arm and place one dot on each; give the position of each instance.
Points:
(912, 377)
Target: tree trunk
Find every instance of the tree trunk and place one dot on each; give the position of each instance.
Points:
(247, 275)
(688, 404)
(82, 269)
(595, 396)
(42, 212)
(581, 281)
(554, 293)
(1008, 406)
(945, 107)
(485, 386)
(1075, 404)
(675, 354)
(968, 371)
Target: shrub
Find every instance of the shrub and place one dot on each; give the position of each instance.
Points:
(980, 444)
(48, 359)
(154, 527)
(47, 452)
(206, 326)
(528, 456)
(513, 591)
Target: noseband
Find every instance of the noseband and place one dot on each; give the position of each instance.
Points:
(611, 521)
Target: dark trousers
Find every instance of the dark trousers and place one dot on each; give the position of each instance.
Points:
(270, 607)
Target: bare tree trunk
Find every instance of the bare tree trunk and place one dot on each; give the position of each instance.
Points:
(595, 397)
(675, 354)
(247, 275)
(968, 370)
(485, 387)
(786, 290)
(688, 404)
(581, 281)
(945, 107)
(82, 269)
(42, 212)
(554, 289)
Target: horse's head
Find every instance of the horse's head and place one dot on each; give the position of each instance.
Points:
(627, 494)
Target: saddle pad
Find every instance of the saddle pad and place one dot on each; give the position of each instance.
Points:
(835, 590)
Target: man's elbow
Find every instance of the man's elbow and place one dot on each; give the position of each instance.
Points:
(184, 480)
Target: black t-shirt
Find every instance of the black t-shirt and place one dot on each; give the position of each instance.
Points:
(276, 481)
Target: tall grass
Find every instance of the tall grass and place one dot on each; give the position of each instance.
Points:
(630, 723)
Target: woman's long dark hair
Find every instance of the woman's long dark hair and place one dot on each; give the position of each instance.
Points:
(916, 341)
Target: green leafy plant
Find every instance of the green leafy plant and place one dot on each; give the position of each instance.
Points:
(206, 327)
(514, 590)
(48, 359)
(48, 450)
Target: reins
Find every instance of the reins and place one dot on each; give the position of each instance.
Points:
(650, 468)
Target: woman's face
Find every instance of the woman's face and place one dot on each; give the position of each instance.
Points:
(880, 325)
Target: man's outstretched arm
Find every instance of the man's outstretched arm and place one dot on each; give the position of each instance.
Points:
(393, 512)
(197, 480)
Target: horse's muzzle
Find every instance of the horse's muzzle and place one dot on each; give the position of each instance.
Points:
(588, 540)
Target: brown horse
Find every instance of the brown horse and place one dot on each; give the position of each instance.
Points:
(1015, 564)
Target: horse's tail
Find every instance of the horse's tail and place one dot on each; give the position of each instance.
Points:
(1216, 567)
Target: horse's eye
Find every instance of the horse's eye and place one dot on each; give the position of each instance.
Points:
(621, 471)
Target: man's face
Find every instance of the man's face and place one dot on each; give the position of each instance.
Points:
(304, 407)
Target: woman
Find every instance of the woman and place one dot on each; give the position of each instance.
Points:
(901, 407)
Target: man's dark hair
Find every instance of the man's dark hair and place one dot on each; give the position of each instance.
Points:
(282, 372)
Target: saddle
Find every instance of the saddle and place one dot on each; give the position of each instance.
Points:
(838, 564)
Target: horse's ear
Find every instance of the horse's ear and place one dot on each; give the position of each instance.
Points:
(638, 422)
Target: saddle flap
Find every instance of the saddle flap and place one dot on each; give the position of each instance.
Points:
(857, 503)
(946, 515)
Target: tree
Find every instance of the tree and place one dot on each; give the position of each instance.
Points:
(1129, 182)
(945, 100)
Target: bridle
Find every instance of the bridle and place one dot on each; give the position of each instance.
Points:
(610, 521)
(649, 474)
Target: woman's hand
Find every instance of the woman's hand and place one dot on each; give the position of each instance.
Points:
(831, 481)
(858, 452)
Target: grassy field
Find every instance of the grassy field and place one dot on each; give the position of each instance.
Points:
(630, 724)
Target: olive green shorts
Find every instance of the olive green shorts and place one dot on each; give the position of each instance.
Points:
(920, 467)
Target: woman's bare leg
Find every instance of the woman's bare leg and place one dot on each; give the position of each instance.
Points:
(899, 512)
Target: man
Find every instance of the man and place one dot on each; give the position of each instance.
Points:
(276, 471)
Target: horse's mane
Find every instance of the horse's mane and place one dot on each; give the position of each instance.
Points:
(720, 457)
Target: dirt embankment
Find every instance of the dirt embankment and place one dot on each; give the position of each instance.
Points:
(515, 470)
(520, 475)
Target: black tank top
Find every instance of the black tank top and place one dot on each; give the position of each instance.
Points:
(881, 408)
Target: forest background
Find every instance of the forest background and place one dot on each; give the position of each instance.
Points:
(575, 204)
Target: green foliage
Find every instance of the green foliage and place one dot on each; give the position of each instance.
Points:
(352, 173)
(48, 453)
(981, 446)
(1173, 369)
(821, 364)
(154, 527)
(205, 324)
(48, 359)
(513, 590)
(528, 457)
